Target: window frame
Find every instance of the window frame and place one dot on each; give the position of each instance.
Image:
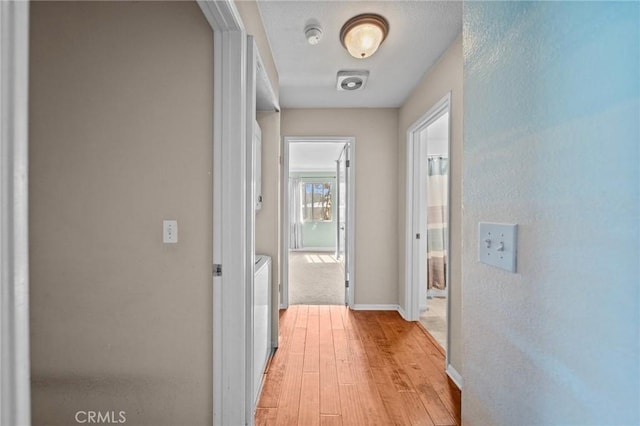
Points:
(303, 199)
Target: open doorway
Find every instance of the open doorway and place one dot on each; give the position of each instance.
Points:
(429, 225)
(318, 230)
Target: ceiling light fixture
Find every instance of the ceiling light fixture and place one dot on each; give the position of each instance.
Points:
(363, 34)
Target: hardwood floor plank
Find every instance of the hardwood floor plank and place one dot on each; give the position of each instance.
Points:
(303, 315)
(273, 381)
(329, 392)
(309, 413)
(352, 410)
(266, 416)
(391, 398)
(416, 412)
(330, 420)
(435, 367)
(312, 342)
(341, 367)
(370, 398)
(347, 321)
(429, 397)
(289, 401)
(275, 373)
(336, 317)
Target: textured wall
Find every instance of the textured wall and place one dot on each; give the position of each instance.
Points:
(551, 137)
(444, 76)
(121, 107)
(376, 160)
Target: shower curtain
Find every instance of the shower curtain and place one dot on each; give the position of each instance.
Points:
(437, 222)
(295, 214)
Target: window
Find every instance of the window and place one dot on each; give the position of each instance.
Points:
(316, 202)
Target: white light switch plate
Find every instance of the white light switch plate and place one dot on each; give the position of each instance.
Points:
(170, 231)
(498, 245)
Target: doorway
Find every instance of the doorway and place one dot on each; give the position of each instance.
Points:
(428, 221)
(317, 243)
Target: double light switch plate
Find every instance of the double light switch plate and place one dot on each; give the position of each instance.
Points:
(497, 245)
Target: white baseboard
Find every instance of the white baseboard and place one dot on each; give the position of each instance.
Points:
(454, 376)
(402, 313)
(374, 307)
(436, 292)
(313, 249)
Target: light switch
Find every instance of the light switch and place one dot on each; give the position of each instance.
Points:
(170, 231)
(498, 245)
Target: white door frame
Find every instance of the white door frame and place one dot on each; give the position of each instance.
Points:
(230, 208)
(233, 217)
(351, 223)
(15, 386)
(415, 271)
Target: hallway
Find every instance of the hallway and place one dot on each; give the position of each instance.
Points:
(341, 367)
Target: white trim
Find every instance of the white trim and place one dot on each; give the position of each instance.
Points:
(222, 15)
(436, 292)
(412, 282)
(250, 213)
(312, 249)
(365, 307)
(284, 243)
(412, 288)
(231, 401)
(454, 376)
(15, 392)
(402, 313)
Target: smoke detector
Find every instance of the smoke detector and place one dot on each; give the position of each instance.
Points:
(313, 34)
(351, 80)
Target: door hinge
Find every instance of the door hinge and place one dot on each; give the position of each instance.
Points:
(417, 236)
(348, 163)
(346, 284)
(217, 270)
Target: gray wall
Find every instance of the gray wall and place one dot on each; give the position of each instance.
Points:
(376, 162)
(121, 138)
(444, 76)
(551, 142)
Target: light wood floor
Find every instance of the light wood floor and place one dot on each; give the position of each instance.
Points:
(341, 367)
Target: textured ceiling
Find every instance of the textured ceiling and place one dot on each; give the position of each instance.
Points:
(314, 156)
(420, 31)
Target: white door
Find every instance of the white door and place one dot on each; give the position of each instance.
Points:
(342, 206)
(420, 208)
(344, 176)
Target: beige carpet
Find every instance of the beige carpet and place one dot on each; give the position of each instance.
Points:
(434, 319)
(315, 279)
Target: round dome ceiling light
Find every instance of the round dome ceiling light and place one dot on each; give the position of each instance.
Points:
(362, 35)
(313, 34)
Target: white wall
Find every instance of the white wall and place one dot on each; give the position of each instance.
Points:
(375, 130)
(444, 76)
(121, 107)
(545, 84)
